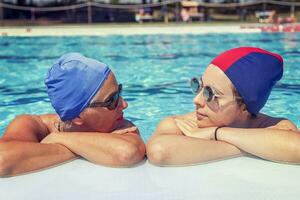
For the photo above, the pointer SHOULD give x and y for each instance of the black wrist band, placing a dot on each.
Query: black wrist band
(216, 132)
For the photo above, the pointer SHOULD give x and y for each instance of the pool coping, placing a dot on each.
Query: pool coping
(120, 29)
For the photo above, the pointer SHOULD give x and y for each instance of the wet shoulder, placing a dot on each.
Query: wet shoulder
(26, 127)
(266, 121)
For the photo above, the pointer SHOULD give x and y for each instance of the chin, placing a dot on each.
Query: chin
(111, 126)
(205, 123)
(106, 129)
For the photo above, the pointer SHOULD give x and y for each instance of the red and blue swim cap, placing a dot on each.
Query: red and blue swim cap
(253, 72)
(72, 82)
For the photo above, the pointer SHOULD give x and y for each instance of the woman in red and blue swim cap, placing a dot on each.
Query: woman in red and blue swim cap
(227, 122)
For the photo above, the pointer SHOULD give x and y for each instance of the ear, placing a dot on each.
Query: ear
(77, 121)
(243, 109)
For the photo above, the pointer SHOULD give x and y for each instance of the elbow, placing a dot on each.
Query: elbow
(130, 154)
(293, 156)
(290, 156)
(7, 160)
(5, 169)
(157, 151)
(292, 159)
(297, 161)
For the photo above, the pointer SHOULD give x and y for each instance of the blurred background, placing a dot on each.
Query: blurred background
(48, 12)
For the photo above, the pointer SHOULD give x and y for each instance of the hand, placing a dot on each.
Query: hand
(126, 130)
(190, 128)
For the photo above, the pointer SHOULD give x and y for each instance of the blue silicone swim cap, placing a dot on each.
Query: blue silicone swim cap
(72, 82)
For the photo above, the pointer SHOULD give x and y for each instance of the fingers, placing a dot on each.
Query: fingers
(191, 123)
(183, 126)
(120, 131)
(185, 123)
(125, 130)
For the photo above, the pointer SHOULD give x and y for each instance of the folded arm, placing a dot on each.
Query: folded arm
(168, 146)
(21, 152)
(177, 141)
(279, 142)
(18, 157)
(269, 143)
(110, 149)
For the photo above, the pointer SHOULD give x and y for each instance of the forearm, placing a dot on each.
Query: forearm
(271, 144)
(182, 150)
(18, 157)
(102, 148)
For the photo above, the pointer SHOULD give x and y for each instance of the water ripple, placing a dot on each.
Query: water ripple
(291, 53)
(288, 87)
(22, 101)
(20, 90)
(24, 58)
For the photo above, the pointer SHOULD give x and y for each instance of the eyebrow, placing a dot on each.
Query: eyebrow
(215, 89)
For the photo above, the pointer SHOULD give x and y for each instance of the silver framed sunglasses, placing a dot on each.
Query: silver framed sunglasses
(209, 94)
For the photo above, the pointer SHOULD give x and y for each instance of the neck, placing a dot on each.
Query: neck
(68, 126)
(245, 121)
(76, 128)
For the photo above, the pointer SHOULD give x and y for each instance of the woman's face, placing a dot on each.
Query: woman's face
(220, 110)
(105, 119)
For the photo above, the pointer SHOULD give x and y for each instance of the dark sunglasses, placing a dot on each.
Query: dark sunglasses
(111, 103)
(208, 92)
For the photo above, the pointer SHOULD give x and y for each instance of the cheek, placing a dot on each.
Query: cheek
(102, 121)
(107, 121)
(223, 117)
(222, 120)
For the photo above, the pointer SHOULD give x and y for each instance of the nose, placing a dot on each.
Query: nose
(199, 100)
(122, 103)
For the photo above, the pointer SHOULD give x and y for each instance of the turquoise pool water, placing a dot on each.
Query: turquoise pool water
(154, 70)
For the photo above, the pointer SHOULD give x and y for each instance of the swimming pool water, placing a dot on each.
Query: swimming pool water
(154, 70)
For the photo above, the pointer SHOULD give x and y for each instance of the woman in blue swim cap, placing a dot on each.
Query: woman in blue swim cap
(87, 99)
(226, 121)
